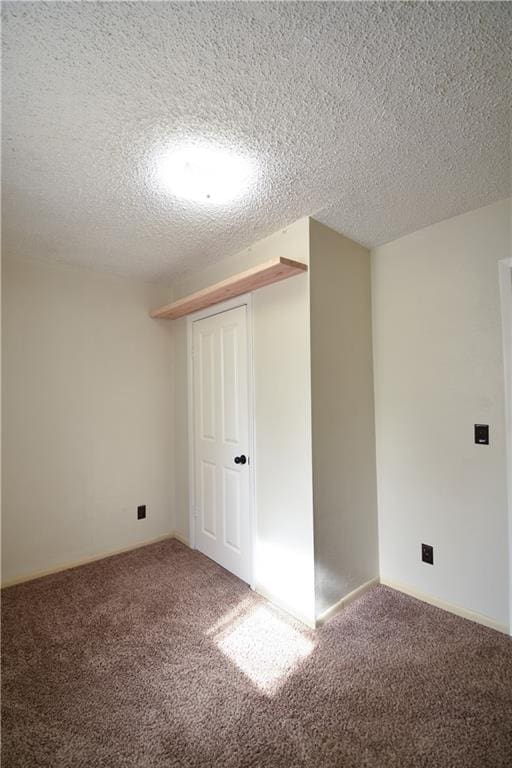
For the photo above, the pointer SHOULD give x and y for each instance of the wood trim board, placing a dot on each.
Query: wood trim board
(257, 277)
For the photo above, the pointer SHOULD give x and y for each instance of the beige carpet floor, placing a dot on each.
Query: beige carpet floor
(159, 657)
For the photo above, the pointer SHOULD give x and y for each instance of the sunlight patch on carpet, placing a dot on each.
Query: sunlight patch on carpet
(264, 647)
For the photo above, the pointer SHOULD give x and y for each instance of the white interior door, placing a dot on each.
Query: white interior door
(221, 440)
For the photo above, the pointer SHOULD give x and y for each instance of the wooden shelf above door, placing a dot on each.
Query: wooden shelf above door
(257, 277)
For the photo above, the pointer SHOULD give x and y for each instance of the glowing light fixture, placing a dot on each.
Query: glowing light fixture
(204, 173)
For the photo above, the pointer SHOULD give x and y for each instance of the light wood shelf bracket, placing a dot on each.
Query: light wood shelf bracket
(264, 274)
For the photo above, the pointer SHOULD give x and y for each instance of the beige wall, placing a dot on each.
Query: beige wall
(438, 371)
(87, 416)
(344, 474)
(284, 515)
(95, 415)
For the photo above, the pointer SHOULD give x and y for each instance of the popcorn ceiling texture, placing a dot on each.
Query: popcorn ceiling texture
(378, 119)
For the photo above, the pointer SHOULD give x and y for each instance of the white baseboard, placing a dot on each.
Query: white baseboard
(337, 607)
(478, 618)
(283, 606)
(84, 561)
(181, 539)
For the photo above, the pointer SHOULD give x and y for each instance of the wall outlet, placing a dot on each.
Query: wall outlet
(482, 434)
(427, 554)
(141, 512)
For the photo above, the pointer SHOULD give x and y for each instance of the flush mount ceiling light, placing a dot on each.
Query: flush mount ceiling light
(204, 174)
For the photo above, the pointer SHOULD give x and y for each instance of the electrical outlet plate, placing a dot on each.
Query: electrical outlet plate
(141, 512)
(427, 554)
(482, 434)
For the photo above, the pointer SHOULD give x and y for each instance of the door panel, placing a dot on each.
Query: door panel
(221, 433)
(230, 405)
(231, 510)
(208, 496)
(207, 372)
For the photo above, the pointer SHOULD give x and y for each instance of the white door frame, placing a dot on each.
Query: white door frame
(217, 309)
(505, 272)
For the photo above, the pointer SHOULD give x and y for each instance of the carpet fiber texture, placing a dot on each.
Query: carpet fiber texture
(159, 657)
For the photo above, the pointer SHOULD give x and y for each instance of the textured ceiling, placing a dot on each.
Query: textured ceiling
(378, 119)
